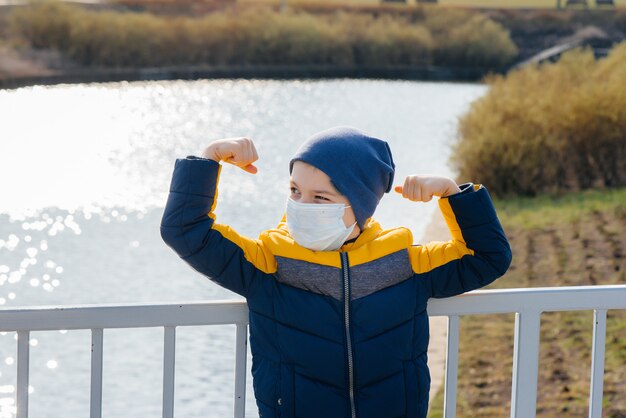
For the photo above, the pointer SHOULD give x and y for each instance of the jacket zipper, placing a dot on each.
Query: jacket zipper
(346, 298)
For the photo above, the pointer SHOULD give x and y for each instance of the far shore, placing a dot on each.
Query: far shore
(22, 65)
(41, 75)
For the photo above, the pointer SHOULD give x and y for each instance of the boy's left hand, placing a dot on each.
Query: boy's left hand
(422, 188)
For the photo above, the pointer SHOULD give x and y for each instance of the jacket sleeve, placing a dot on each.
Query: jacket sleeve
(188, 226)
(478, 252)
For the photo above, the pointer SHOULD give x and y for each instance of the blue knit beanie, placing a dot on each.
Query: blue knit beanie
(359, 165)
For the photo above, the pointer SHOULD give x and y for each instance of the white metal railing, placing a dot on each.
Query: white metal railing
(100, 317)
(527, 304)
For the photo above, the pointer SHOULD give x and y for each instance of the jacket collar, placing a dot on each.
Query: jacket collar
(370, 232)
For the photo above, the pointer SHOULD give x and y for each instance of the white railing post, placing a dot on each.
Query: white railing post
(169, 365)
(597, 363)
(452, 366)
(23, 338)
(525, 365)
(241, 352)
(96, 373)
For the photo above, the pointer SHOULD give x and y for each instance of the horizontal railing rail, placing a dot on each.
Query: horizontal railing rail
(527, 304)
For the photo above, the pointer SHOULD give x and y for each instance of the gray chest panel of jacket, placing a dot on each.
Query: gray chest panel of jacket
(365, 278)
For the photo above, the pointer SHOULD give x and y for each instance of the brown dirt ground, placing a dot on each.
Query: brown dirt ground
(587, 251)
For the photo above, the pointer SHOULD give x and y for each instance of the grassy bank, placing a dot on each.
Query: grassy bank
(259, 35)
(518, 4)
(576, 239)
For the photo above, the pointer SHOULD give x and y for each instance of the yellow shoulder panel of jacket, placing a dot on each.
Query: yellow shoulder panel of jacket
(254, 250)
(427, 257)
(217, 181)
(386, 242)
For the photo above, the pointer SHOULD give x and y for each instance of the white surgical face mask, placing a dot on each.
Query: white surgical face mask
(317, 226)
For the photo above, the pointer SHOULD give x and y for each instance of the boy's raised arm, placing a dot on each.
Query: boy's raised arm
(478, 252)
(188, 224)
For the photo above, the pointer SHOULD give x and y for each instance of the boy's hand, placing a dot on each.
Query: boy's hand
(422, 188)
(238, 151)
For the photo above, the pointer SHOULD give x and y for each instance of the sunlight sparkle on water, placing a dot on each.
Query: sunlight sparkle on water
(82, 159)
(7, 410)
(16, 276)
(12, 242)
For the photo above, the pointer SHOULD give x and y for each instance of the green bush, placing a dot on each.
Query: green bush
(549, 128)
(45, 24)
(463, 38)
(267, 37)
(105, 39)
(384, 40)
(257, 35)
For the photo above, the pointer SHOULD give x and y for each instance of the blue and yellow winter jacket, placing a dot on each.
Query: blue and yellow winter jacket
(341, 333)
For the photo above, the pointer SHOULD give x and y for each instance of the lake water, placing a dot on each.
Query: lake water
(84, 175)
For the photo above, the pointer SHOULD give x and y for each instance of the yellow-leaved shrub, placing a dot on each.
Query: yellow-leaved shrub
(549, 128)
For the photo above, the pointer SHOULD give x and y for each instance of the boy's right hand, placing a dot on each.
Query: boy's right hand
(239, 151)
(422, 188)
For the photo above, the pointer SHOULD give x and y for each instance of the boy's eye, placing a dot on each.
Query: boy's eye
(293, 190)
(321, 197)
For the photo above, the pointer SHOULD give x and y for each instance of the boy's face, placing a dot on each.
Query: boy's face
(309, 184)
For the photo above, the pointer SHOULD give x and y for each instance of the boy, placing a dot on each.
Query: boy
(338, 322)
